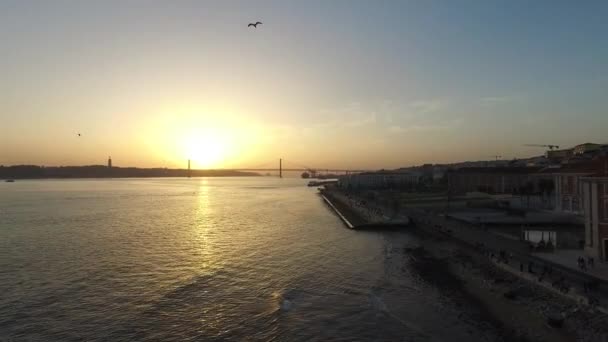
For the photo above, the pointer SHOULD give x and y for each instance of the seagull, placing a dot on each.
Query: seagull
(254, 25)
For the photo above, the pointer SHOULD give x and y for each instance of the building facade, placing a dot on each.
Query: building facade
(595, 203)
(493, 180)
(568, 192)
(379, 180)
(568, 187)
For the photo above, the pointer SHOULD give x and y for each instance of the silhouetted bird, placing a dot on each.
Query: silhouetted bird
(254, 25)
(78, 134)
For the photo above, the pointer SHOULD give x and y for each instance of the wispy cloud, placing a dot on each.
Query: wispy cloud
(494, 100)
(404, 117)
(424, 127)
(361, 121)
(426, 106)
(350, 115)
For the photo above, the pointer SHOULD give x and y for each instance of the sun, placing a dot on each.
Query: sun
(205, 149)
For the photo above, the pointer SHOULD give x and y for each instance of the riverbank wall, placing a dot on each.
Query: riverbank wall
(525, 302)
(349, 215)
(357, 215)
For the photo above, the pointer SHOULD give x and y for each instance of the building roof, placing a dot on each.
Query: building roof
(597, 166)
(499, 169)
(386, 173)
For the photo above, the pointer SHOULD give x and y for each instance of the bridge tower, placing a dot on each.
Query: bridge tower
(188, 168)
(280, 167)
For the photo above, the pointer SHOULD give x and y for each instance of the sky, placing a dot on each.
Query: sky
(327, 84)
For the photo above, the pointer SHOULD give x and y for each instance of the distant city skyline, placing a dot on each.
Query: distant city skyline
(342, 84)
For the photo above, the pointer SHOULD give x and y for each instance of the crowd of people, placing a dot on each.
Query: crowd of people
(582, 264)
(542, 246)
(541, 271)
(544, 271)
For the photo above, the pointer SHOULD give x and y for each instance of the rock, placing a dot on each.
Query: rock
(498, 280)
(511, 294)
(555, 319)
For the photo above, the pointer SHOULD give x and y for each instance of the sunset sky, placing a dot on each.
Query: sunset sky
(359, 84)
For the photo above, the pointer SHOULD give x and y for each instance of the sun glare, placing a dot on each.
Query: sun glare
(205, 149)
(209, 141)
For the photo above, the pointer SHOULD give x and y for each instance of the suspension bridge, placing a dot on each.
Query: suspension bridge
(283, 165)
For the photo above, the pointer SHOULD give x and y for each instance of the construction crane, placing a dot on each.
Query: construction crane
(551, 147)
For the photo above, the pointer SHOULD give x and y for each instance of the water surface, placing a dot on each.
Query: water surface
(207, 259)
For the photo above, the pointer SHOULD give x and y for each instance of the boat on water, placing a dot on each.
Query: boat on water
(10, 181)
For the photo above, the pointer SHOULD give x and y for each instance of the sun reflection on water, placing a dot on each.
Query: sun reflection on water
(204, 233)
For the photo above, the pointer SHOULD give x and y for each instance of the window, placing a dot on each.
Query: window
(566, 203)
(576, 203)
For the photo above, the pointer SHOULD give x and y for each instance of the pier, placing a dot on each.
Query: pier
(360, 217)
(344, 219)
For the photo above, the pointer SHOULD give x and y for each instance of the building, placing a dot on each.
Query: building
(568, 192)
(557, 156)
(586, 148)
(594, 194)
(109, 162)
(567, 180)
(492, 180)
(379, 180)
(586, 151)
(595, 203)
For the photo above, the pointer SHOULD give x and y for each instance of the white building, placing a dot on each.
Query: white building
(379, 180)
(595, 204)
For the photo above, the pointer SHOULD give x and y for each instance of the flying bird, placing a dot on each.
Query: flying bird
(255, 25)
(78, 134)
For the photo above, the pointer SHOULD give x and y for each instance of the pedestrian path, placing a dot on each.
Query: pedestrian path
(574, 293)
(519, 254)
(568, 258)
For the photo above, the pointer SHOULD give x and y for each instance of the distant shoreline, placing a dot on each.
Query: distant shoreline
(101, 172)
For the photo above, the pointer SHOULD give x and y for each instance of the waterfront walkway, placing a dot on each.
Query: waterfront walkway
(557, 271)
(520, 261)
(568, 258)
(358, 213)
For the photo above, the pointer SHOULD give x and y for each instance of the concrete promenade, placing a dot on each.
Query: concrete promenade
(573, 282)
(360, 214)
(521, 260)
(568, 258)
(342, 217)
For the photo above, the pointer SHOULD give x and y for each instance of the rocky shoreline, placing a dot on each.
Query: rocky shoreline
(520, 309)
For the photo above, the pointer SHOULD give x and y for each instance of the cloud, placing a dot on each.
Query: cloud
(362, 121)
(396, 129)
(424, 127)
(427, 106)
(494, 100)
(350, 115)
(385, 113)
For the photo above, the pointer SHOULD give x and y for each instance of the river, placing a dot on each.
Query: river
(208, 259)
